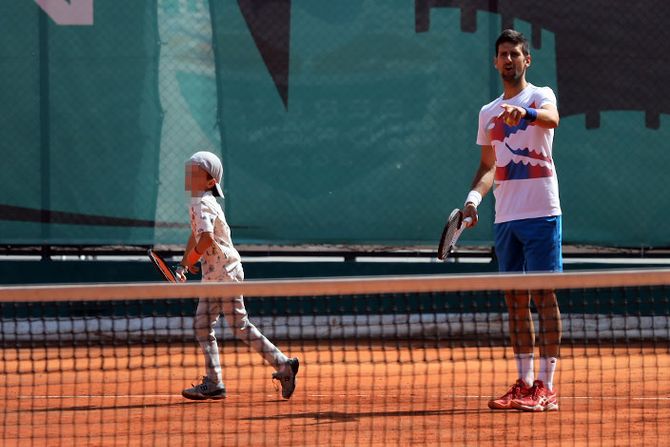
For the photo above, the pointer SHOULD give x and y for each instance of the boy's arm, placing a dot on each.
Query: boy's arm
(182, 268)
(189, 246)
(206, 240)
(195, 250)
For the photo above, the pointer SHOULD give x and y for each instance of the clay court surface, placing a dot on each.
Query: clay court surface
(349, 393)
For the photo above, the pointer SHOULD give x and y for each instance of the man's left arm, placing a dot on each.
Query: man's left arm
(545, 117)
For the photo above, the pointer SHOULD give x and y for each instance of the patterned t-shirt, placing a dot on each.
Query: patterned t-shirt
(207, 217)
(526, 184)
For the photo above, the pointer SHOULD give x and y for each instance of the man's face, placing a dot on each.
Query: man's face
(510, 62)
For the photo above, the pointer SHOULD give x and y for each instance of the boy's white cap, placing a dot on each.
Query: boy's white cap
(210, 163)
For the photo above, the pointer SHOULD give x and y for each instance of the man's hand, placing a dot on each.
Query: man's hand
(470, 211)
(512, 115)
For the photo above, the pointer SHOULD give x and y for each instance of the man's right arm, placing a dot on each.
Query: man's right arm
(481, 184)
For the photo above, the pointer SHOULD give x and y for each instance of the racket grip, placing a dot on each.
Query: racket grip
(466, 222)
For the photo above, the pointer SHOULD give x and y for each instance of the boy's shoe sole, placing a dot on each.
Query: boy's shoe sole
(287, 381)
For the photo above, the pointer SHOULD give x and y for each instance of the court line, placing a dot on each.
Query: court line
(392, 396)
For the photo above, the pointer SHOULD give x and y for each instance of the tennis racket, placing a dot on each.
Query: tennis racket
(452, 231)
(161, 266)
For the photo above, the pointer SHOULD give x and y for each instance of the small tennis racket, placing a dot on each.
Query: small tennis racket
(452, 231)
(161, 266)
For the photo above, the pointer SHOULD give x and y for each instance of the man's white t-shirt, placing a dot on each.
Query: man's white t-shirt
(526, 184)
(207, 217)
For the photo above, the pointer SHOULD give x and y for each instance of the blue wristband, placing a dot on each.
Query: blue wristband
(531, 114)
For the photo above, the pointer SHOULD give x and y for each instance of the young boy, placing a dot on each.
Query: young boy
(210, 243)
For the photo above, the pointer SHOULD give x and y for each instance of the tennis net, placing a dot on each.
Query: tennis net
(411, 360)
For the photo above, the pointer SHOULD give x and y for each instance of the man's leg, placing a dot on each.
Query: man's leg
(542, 249)
(509, 253)
(551, 331)
(542, 239)
(522, 333)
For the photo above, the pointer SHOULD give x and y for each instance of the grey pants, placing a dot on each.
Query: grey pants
(207, 316)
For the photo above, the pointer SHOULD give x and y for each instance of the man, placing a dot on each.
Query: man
(516, 133)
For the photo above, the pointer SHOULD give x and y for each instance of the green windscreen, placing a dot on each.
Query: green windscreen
(337, 122)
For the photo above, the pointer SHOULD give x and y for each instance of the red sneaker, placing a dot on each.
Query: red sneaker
(540, 398)
(517, 391)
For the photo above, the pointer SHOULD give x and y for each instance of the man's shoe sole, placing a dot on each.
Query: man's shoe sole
(203, 396)
(496, 406)
(537, 408)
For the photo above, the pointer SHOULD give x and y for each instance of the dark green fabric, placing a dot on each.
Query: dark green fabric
(368, 138)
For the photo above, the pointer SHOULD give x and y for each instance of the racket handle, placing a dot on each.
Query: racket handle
(466, 222)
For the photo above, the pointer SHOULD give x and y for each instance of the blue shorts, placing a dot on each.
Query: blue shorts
(529, 245)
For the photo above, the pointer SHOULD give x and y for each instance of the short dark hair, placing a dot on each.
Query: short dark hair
(514, 37)
(213, 188)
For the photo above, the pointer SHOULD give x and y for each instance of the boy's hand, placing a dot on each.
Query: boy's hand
(180, 273)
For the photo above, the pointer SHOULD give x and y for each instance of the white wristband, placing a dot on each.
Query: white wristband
(473, 197)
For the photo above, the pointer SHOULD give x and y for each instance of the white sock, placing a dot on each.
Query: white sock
(547, 369)
(524, 364)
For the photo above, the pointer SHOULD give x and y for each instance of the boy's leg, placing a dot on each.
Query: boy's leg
(206, 317)
(236, 315)
(237, 318)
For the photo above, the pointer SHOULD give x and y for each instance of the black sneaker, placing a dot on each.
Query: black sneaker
(206, 390)
(286, 377)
